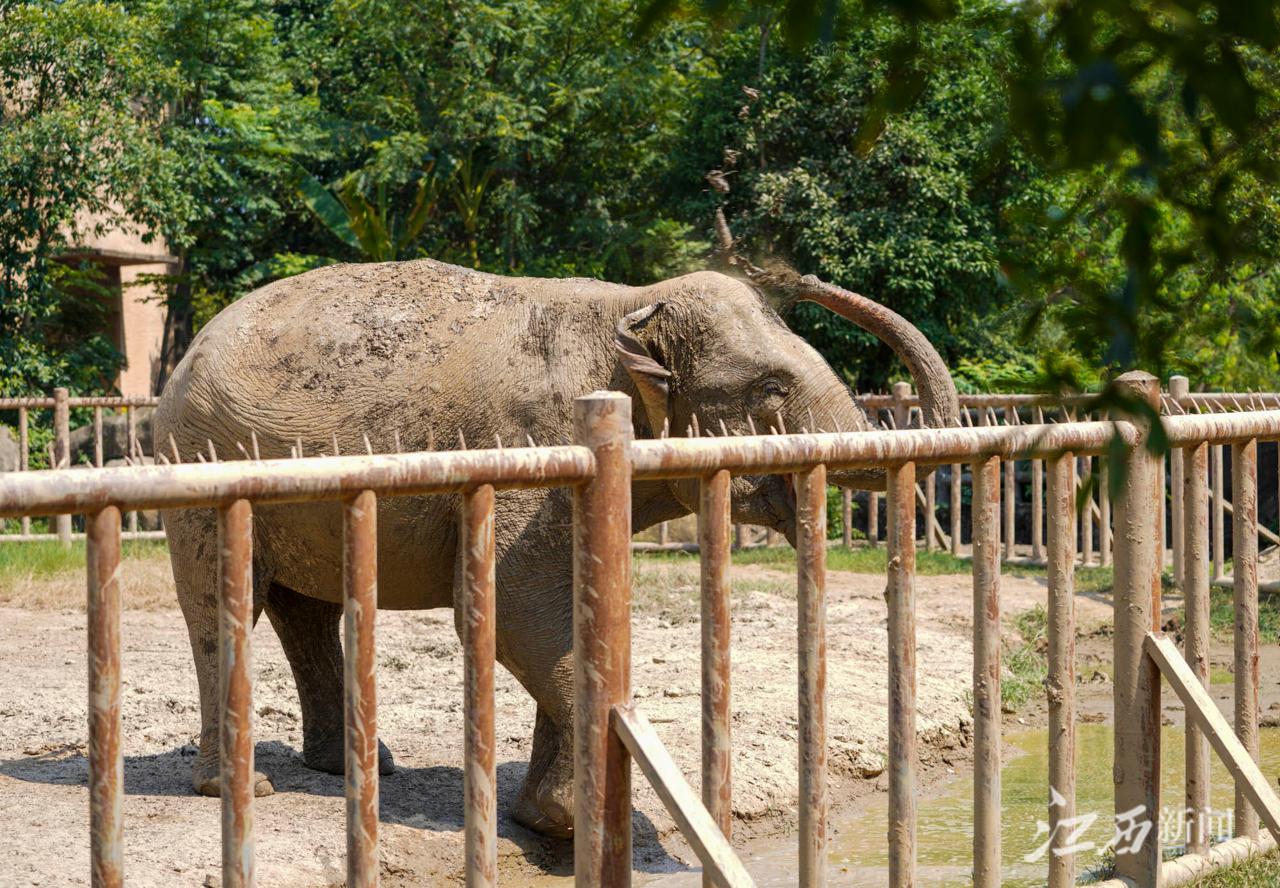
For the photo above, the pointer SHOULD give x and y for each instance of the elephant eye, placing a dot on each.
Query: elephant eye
(772, 388)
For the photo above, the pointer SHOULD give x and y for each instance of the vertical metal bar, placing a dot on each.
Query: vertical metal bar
(235, 622)
(1137, 684)
(1010, 499)
(930, 509)
(1195, 587)
(479, 642)
(1061, 682)
(873, 518)
(664, 534)
(24, 444)
(1086, 514)
(131, 423)
(956, 507)
(602, 643)
(811, 592)
(1162, 504)
(1179, 386)
(1076, 548)
(1244, 572)
(106, 762)
(901, 392)
(739, 537)
(1037, 500)
(846, 517)
(360, 686)
(1105, 540)
(900, 596)
(986, 673)
(62, 453)
(901, 413)
(97, 437)
(1219, 515)
(713, 547)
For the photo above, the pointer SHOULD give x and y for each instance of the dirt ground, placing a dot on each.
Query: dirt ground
(172, 836)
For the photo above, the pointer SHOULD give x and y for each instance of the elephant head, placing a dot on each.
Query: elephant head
(711, 354)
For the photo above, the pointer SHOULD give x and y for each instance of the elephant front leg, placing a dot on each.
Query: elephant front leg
(535, 644)
(545, 803)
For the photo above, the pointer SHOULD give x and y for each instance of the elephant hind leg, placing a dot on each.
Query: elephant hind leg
(309, 633)
(193, 552)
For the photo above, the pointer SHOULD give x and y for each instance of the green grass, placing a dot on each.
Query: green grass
(1025, 666)
(1259, 871)
(1222, 614)
(43, 559)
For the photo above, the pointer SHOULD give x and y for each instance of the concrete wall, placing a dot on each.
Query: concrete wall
(141, 308)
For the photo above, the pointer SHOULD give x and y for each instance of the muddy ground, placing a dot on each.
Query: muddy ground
(172, 836)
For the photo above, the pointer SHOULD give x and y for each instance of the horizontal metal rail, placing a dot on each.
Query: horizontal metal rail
(193, 485)
(41, 403)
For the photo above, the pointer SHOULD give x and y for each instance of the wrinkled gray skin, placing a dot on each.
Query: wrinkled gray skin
(430, 349)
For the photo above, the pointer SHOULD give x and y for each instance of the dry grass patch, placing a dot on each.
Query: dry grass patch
(46, 576)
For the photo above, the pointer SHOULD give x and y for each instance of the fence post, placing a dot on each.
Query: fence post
(24, 445)
(955, 513)
(62, 452)
(360, 686)
(811, 621)
(602, 643)
(1195, 590)
(900, 597)
(713, 547)
(479, 624)
(1037, 498)
(1105, 537)
(1137, 683)
(106, 763)
(985, 510)
(846, 517)
(1010, 499)
(1244, 574)
(235, 680)
(873, 518)
(901, 410)
(1219, 514)
(930, 509)
(1086, 514)
(1060, 682)
(134, 452)
(1179, 387)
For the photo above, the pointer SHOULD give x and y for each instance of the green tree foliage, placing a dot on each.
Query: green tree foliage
(915, 220)
(237, 127)
(1155, 125)
(534, 131)
(80, 152)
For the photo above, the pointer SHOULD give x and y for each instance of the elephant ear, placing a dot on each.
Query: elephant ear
(649, 376)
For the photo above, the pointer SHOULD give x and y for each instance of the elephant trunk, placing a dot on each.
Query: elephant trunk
(939, 402)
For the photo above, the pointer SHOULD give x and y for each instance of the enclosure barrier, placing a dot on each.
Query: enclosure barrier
(233, 488)
(1141, 654)
(61, 405)
(900, 409)
(610, 729)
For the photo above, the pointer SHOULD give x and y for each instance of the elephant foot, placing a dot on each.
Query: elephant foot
(206, 781)
(329, 756)
(549, 816)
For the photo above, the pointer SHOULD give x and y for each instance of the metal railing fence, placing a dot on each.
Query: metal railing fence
(611, 731)
(1141, 654)
(59, 454)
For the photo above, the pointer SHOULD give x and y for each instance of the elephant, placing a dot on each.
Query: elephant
(430, 355)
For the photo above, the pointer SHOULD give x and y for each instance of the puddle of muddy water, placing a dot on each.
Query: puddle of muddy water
(859, 854)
